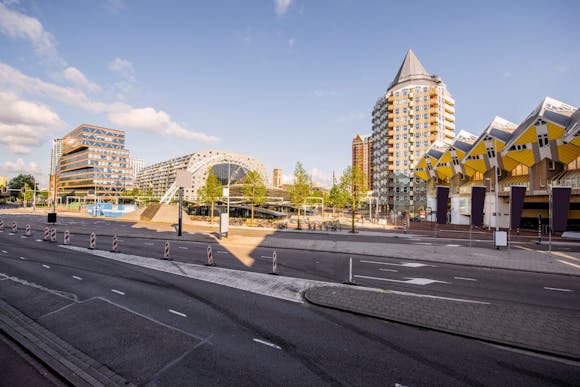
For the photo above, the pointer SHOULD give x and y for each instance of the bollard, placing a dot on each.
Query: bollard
(1, 224)
(166, 250)
(539, 242)
(27, 231)
(518, 231)
(115, 240)
(210, 261)
(46, 235)
(274, 263)
(350, 281)
(53, 235)
(66, 237)
(14, 228)
(92, 241)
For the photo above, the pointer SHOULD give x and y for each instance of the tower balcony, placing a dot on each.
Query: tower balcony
(449, 109)
(449, 117)
(449, 125)
(449, 100)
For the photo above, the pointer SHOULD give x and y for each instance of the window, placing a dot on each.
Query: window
(397, 94)
(425, 125)
(543, 139)
(417, 135)
(551, 165)
(425, 98)
(425, 89)
(397, 136)
(417, 108)
(405, 127)
(417, 116)
(405, 136)
(417, 126)
(425, 116)
(404, 110)
(397, 111)
(425, 107)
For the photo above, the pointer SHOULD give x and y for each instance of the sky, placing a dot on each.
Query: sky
(279, 80)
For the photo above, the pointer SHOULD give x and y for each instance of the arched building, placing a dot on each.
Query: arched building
(159, 178)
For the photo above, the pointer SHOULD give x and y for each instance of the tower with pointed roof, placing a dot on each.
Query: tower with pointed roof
(414, 112)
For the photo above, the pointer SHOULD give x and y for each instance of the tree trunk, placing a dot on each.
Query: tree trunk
(252, 218)
(211, 213)
(352, 218)
(298, 228)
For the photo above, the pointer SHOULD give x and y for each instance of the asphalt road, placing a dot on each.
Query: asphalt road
(153, 327)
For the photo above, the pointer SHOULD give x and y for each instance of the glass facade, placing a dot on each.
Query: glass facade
(94, 159)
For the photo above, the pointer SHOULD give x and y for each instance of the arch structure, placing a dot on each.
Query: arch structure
(237, 165)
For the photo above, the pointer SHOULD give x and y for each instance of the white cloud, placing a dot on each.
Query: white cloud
(123, 67)
(13, 168)
(321, 178)
(19, 26)
(291, 42)
(150, 120)
(282, 6)
(24, 124)
(287, 179)
(78, 79)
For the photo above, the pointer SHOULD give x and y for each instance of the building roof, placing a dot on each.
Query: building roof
(461, 144)
(572, 135)
(412, 69)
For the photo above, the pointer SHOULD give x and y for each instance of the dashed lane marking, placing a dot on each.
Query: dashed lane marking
(424, 243)
(557, 289)
(569, 263)
(77, 277)
(24, 259)
(39, 240)
(222, 252)
(411, 281)
(46, 266)
(148, 244)
(452, 245)
(118, 292)
(5, 252)
(183, 248)
(267, 343)
(177, 313)
(465, 279)
(394, 271)
(404, 264)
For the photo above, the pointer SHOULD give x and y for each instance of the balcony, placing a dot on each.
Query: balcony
(390, 107)
(391, 141)
(433, 119)
(449, 100)
(432, 92)
(410, 95)
(449, 117)
(391, 124)
(391, 158)
(449, 125)
(391, 133)
(433, 111)
(391, 115)
(449, 109)
(391, 98)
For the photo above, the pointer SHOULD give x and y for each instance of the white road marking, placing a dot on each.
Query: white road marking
(23, 237)
(46, 266)
(149, 244)
(39, 240)
(439, 297)
(395, 271)
(558, 289)
(183, 248)
(222, 252)
(424, 243)
(24, 259)
(465, 279)
(266, 257)
(404, 264)
(411, 281)
(569, 264)
(118, 292)
(177, 313)
(267, 343)
(77, 278)
(5, 252)
(452, 245)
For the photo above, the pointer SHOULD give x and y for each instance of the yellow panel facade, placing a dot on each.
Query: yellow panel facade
(568, 152)
(525, 157)
(529, 136)
(476, 165)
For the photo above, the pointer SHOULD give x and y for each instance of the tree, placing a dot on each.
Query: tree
(20, 181)
(254, 191)
(354, 183)
(337, 198)
(300, 190)
(210, 192)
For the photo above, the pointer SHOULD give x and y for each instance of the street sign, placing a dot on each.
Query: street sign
(225, 192)
(183, 179)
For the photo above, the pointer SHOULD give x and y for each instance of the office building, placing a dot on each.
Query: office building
(277, 178)
(415, 111)
(93, 161)
(362, 150)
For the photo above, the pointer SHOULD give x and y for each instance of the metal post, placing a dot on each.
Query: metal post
(350, 270)
(470, 227)
(550, 222)
(180, 222)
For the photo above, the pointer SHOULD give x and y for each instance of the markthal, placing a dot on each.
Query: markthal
(539, 159)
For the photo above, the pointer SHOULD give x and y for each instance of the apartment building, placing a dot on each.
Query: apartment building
(362, 153)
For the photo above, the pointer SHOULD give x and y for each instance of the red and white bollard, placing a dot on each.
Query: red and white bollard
(14, 228)
(92, 241)
(115, 240)
(53, 235)
(46, 235)
(210, 261)
(66, 237)
(27, 231)
(1, 224)
(274, 263)
(166, 250)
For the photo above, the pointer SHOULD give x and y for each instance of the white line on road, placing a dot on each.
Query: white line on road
(118, 292)
(39, 240)
(267, 343)
(411, 281)
(465, 279)
(569, 264)
(149, 244)
(405, 264)
(177, 313)
(424, 243)
(452, 245)
(24, 259)
(77, 278)
(558, 289)
(46, 266)
(5, 252)
(394, 271)
(265, 257)
(222, 252)
(183, 248)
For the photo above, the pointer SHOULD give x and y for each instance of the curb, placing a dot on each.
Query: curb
(69, 363)
(512, 344)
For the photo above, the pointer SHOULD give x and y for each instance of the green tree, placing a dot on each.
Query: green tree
(337, 198)
(20, 181)
(135, 192)
(210, 192)
(300, 190)
(254, 191)
(354, 184)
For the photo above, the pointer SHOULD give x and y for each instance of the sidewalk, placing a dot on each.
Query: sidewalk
(553, 332)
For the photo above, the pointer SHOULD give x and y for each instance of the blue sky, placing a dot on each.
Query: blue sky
(283, 81)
